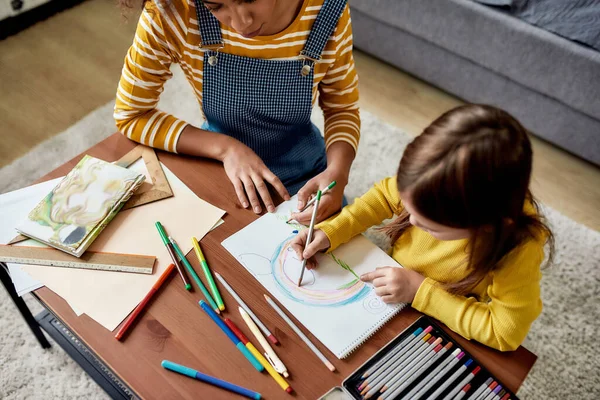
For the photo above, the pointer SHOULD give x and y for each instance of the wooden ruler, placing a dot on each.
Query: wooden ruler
(89, 260)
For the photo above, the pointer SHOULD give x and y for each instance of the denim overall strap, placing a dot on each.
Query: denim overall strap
(210, 31)
(323, 27)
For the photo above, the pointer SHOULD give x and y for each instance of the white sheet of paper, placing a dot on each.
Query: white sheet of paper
(14, 207)
(340, 310)
(108, 297)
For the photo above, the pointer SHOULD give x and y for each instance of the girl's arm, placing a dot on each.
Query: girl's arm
(375, 206)
(338, 91)
(503, 322)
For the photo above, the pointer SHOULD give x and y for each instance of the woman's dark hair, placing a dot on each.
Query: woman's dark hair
(470, 169)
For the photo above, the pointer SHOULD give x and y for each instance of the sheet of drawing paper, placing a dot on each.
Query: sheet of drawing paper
(339, 309)
(14, 207)
(108, 297)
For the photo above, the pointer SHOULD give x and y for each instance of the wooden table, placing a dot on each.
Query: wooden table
(174, 327)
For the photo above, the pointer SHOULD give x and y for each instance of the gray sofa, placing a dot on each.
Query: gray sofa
(551, 84)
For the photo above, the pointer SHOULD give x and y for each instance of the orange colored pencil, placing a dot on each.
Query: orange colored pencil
(145, 301)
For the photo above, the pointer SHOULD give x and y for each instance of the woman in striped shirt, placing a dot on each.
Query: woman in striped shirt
(256, 67)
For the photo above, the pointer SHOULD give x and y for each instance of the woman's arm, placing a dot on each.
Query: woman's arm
(246, 171)
(145, 71)
(338, 98)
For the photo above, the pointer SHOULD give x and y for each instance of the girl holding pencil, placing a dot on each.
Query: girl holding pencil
(256, 67)
(466, 230)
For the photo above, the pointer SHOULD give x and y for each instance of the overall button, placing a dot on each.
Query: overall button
(305, 70)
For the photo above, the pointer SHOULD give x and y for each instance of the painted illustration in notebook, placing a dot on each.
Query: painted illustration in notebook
(332, 302)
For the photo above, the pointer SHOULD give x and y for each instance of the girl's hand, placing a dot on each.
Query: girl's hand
(330, 203)
(248, 174)
(394, 284)
(319, 242)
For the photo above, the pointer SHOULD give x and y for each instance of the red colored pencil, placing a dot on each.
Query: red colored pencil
(145, 301)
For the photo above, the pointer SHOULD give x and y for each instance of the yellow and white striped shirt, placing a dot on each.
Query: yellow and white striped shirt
(169, 34)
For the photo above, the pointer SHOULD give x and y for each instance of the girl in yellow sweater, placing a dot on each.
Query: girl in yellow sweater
(467, 230)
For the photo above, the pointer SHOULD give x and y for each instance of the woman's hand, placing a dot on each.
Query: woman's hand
(394, 284)
(319, 242)
(330, 203)
(248, 174)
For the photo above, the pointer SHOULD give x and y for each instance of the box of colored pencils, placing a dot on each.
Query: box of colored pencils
(423, 362)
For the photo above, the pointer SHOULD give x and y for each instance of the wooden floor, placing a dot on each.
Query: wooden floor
(56, 72)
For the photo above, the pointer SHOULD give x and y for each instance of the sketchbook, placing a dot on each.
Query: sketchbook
(333, 304)
(74, 213)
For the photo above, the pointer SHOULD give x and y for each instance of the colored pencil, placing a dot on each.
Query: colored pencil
(381, 378)
(180, 369)
(400, 375)
(311, 229)
(463, 392)
(480, 389)
(270, 354)
(494, 393)
(211, 282)
(194, 275)
(427, 382)
(280, 381)
(169, 246)
(424, 381)
(435, 379)
(416, 335)
(488, 390)
(311, 201)
(449, 381)
(462, 383)
(400, 360)
(134, 314)
(231, 336)
(237, 298)
(300, 334)
(406, 379)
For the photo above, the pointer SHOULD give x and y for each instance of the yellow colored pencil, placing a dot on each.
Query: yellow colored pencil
(261, 359)
(211, 283)
(269, 352)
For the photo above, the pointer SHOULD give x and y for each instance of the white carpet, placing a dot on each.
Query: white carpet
(564, 337)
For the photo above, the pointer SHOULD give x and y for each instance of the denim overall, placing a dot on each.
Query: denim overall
(267, 104)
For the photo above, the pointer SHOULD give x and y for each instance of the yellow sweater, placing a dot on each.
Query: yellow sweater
(170, 34)
(505, 303)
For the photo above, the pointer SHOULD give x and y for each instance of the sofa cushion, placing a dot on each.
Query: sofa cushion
(539, 60)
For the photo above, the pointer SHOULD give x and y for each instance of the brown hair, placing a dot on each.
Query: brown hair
(470, 169)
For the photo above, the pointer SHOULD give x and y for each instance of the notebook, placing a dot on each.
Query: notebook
(333, 304)
(74, 213)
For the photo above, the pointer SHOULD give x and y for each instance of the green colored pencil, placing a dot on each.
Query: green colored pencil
(211, 283)
(194, 275)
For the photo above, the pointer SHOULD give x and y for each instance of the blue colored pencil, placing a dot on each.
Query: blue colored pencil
(180, 369)
(238, 343)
